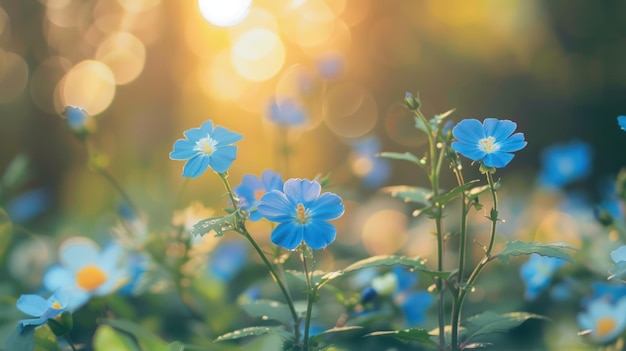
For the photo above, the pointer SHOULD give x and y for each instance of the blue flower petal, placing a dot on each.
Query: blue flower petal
(499, 129)
(21, 324)
(77, 252)
(206, 129)
(196, 166)
(183, 150)
(57, 277)
(497, 159)
(302, 190)
(621, 121)
(222, 158)
(327, 207)
(195, 134)
(288, 235)
(225, 136)
(414, 306)
(470, 151)
(513, 143)
(276, 207)
(318, 234)
(272, 180)
(33, 305)
(469, 131)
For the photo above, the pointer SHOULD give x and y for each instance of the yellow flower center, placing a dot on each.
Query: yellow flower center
(605, 325)
(56, 305)
(259, 194)
(205, 145)
(301, 213)
(90, 278)
(488, 144)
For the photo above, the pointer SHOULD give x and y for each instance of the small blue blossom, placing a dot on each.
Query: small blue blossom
(228, 259)
(621, 121)
(206, 147)
(331, 66)
(252, 189)
(604, 291)
(619, 258)
(43, 309)
(491, 142)
(372, 170)
(86, 271)
(287, 112)
(564, 164)
(604, 320)
(303, 213)
(537, 273)
(29, 204)
(78, 119)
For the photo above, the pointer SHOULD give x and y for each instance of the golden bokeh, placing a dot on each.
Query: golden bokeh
(89, 84)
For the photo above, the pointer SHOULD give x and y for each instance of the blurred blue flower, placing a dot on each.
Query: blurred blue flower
(286, 112)
(228, 259)
(604, 320)
(537, 273)
(604, 291)
(206, 147)
(78, 119)
(373, 170)
(43, 309)
(302, 213)
(86, 271)
(621, 121)
(252, 189)
(137, 266)
(331, 65)
(619, 258)
(399, 284)
(491, 142)
(29, 204)
(563, 164)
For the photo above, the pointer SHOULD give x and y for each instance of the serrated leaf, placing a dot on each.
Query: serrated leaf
(268, 309)
(410, 193)
(219, 225)
(255, 331)
(414, 334)
(490, 322)
(147, 340)
(516, 248)
(391, 260)
(315, 338)
(107, 338)
(406, 156)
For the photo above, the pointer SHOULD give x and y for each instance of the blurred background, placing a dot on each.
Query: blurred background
(150, 69)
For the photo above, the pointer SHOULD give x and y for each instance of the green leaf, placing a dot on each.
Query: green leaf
(176, 346)
(490, 322)
(23, 341)
(219, 225)
(147, 340)
(516, 248)
(456, 192)
(255, 331)
(107, 338)
(268, 309)
(17, 173)
(415, 334)
(316, 338)
(406, 156)
(410, 193)
(6, 231)
(45, 340)
(391, 260)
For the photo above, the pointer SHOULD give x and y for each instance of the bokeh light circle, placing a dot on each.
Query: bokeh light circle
(349, 110)
(124, 54)
(217, 78)
(310, 24)
(384, 232)
(258, 54)
(89, 84)
(13, 76)
(400, 126)
(44, 80)
(224, 13)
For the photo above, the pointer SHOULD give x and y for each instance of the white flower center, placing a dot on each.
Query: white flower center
(205, 145)
(488, 145)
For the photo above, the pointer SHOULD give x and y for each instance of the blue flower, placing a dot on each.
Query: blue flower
(604, 320)
(331, 66)
(399, 284)
(537, 273)
(565, 163)
(228, 259)
(28, 205)
(302, 213)
(621, 121)
(252, 189)
(372, 170)
(86, 271)
(41, 308)
(491, 142)
(286, 112)
(603, 291)
(206, 147)
(78, 119)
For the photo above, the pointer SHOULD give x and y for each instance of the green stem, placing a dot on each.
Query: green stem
(311, 292)
(481, 265)
(241, 228)
(458, 302)
(69, 341)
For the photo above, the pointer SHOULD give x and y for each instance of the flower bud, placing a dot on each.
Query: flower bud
(412, 102)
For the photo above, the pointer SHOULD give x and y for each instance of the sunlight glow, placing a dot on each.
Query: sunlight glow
(258, 54)
(224, 13)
